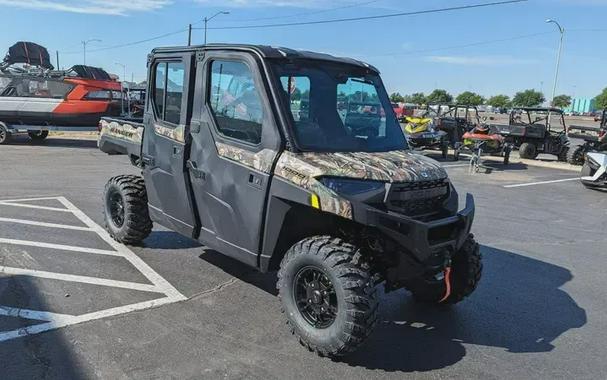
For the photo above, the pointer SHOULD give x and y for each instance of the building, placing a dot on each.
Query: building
(581, 106)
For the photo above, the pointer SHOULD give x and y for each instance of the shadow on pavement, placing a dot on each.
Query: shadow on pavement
(518, 306)
(54, 142)
(169, 240)
(43, 356)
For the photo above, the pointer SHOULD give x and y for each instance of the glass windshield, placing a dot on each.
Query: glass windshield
(339, 108)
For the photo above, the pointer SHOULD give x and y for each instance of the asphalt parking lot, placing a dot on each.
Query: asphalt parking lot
(75, 304)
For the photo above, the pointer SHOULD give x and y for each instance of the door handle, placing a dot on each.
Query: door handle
(197, 173)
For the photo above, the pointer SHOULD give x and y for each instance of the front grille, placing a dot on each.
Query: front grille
(418, 198)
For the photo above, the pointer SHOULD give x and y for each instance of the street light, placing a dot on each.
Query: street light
(122, 87)
(558, 60)
(207, 19)
(84, 43)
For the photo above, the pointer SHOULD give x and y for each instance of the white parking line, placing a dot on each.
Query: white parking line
(44, 224)
(33, 206)
(541, 183)
(53, 320)
(62, 247)
(81, 279)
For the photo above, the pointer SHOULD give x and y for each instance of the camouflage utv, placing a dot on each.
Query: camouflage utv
(292, 161)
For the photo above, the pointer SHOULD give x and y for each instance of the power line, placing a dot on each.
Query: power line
(355, 5)
(362, 18)
(472, 44)
(129, 43)
(391, 15)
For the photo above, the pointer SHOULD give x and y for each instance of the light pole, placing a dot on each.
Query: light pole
(84, 43)
(558, 62)
(122, 86)
(207, 19)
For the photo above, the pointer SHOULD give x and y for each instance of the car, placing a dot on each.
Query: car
(594, 171)
(332, 198)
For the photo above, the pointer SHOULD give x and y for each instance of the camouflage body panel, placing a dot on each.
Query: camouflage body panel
(121, 130)
(304, 169)
(177, 133)
(261, 161)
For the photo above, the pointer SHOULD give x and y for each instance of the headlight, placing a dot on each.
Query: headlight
(351, 186)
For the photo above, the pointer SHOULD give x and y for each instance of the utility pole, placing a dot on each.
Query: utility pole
(207, 19)
(189, 34)
(122, 86)
(57, 52)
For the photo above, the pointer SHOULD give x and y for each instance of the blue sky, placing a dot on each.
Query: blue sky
(487, 50)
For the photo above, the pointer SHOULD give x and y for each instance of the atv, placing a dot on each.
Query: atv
(422, 134)
(455, 120)
(537, 130)
(293, 162)
(594, 140)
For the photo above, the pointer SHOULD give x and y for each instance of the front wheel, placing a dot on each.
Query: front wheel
(5, 135)
(461, 280)
(327, 294)
(575, 155)
(125, 209)
(37, 135)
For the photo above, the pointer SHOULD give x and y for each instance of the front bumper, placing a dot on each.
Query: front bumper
(424, 247)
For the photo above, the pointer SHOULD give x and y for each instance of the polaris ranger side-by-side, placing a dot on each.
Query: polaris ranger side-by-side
(292, 161)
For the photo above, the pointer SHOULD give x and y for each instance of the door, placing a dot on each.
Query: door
(234, 146)
(164, 144)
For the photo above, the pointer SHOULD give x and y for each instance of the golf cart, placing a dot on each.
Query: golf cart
(537, 130)
(593, 140)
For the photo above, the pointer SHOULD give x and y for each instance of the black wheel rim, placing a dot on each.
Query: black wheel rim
(116, 204)
(315, 297)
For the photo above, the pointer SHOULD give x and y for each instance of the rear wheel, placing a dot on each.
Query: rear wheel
(327, 294)
(528, 151)
(38, 135)
(465, 274)
(575, 155)
(564, 153)
(125, 209)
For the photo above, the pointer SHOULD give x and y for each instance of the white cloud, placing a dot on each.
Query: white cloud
(480, 61)
(103, 7)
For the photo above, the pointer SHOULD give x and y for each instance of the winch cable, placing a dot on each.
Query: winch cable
(447, 285)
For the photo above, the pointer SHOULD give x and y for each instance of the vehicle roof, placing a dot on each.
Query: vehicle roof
(539, 109)
(269, 52)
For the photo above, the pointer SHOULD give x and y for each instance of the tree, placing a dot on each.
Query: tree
(601, 100)
(528, 98)
(439, 96)
(416, 98)
(499, 101)
(561, 101)
(397, 98)
(470, 98)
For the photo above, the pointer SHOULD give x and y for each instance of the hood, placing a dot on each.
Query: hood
(394, 166)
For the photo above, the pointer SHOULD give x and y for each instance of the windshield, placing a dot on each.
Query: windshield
(339, 108)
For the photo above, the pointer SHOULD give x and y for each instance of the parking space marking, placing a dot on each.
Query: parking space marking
(24, 205)
(80, 279)
(44, 224)
(541, 182)
(53, 321)
(62, 247)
